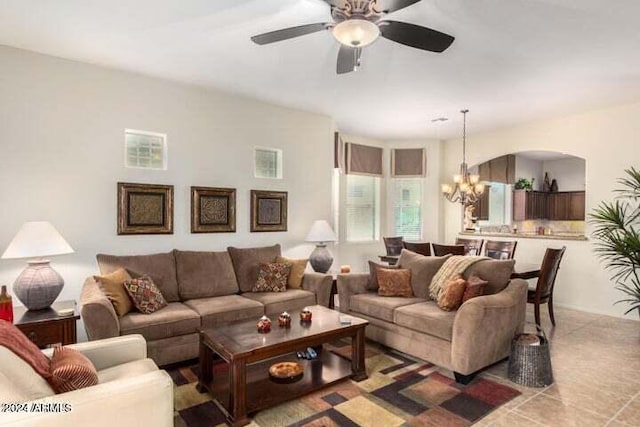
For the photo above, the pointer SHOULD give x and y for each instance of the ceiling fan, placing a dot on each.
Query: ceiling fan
(358, 23)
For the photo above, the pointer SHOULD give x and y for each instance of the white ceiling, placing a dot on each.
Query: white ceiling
(513, 60)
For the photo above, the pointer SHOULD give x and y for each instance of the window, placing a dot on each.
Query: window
(406, 199)
(146, 150)
(362, 208)
(268, 163)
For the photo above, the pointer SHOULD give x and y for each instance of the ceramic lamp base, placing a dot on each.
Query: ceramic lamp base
(321, 259)
(38, 285)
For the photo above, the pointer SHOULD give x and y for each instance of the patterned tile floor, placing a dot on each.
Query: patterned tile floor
(596, 367)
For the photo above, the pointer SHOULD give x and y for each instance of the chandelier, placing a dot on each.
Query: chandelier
(466, 188)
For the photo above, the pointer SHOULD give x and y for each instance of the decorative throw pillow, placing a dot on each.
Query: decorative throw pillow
(451, 297)
(272, 277)
(297, 270)
(71, 370)
(394, 282)
(475, 288)
(15, 340)
(145, 294)
(423, 268)
(372, 283)
(112, 285)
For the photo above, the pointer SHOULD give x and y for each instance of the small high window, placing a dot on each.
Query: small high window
(145, 150)
(268, 163)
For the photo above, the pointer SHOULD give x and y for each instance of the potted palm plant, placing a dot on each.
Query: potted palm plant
(617, 232)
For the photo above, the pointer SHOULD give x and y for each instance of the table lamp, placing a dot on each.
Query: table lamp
(321, 232)
(38, 285)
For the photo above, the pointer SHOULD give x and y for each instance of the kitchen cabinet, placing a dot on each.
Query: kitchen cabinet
(567, 206)
(530, 205)
(481, 211)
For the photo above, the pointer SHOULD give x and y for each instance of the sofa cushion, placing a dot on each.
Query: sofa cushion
(19, 382)
(475, 288)
(272, 277)
(205, 274)
(228, 308)
(427, 318)
(112, 285)
(374, 305)
(145, 294)
(175, 319)
(246, 263)
(372, 283)
(160, 267)
(127, 370)
(496, 272)
(423, 268)
(13, 339)
(297, 271)
(277, 302)
(394, 283)
(71, 370)
(451, 296)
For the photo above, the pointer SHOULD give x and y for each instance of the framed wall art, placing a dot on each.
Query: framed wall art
(268, 210)
(213, 210)
(145, 208)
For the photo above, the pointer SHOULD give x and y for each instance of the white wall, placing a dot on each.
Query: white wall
(609, 141)
(529, 168)
(62, 136)
(358, 254)
(568, 173)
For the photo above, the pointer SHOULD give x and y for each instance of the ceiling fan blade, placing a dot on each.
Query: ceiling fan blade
(288, 33)
(415, 36)
(348, 59)
(390, 6)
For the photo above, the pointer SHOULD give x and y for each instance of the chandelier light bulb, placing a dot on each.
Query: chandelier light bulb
(474, 179)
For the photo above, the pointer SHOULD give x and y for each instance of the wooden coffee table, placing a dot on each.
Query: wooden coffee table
(246, 388)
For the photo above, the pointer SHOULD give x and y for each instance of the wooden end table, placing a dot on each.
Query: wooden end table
(246, 388)
(47, 327)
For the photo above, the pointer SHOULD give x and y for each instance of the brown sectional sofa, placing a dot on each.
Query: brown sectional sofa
(203, 289)
(475, 336)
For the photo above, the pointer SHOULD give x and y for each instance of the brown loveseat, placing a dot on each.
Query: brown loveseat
(475, 336)
(203, 289)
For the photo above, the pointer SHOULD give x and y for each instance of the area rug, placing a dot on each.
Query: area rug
(400, 391)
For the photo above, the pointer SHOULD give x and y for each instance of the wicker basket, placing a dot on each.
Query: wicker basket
(530, 364)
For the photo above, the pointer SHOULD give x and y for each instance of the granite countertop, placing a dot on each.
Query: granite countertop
(524, 235)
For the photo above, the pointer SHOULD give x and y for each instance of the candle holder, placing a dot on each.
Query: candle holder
(264, 325)
(306, 315)
(284, 320)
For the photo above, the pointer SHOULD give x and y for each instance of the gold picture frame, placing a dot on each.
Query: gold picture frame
(145, 208)
(213, 210)
(268, 210)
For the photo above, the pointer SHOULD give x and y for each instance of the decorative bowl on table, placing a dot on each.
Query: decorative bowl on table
(305, 315)
(286, 372)
(284, 320)
(264, 325)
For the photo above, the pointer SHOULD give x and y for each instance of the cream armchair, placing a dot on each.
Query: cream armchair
(132, 391)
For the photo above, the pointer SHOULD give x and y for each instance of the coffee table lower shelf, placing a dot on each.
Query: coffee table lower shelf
(264, 393)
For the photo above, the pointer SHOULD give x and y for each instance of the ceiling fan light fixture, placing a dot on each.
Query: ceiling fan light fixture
(356, 32)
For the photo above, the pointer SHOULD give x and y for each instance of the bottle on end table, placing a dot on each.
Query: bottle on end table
(6, 305)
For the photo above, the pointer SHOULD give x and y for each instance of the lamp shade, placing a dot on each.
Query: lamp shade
(37, 239)
(321, 232)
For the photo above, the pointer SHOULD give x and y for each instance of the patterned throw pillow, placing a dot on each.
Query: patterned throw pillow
(475, 288)
(451, 297)
(145, 294)
(394, 282)
(297, 270)
(71, 370)
(272, 277)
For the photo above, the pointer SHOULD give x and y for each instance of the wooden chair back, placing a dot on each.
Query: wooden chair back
(500, 250)
(548, 273)
(393, 245)
(442, 250)
(471, 246)
(422, 248)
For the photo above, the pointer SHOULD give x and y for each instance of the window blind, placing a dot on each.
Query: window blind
(362, 208)
(406, 194)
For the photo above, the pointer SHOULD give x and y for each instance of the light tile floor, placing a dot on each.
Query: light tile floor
(596, 367)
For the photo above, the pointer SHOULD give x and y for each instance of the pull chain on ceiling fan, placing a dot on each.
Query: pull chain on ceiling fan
(358, 23)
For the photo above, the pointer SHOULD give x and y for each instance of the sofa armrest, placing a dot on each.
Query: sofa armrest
(484, 327)
(350, 284)
(111, 351)
(320, 284)
(98, 315)
(145, 399)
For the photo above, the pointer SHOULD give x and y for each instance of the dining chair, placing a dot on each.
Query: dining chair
(422, 248)
(471, 246)
(393, 245)
(442, 250)
(500, 249)
(543, 292)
